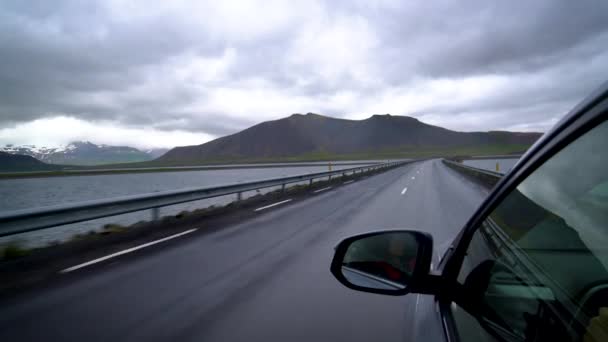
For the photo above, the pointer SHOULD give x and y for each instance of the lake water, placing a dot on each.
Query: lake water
(28, 193)
(504, 165)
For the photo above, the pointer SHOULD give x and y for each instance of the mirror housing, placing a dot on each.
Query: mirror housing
(390, 262)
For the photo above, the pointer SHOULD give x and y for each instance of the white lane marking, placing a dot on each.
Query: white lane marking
(416, 307)
(88, 263)
(413, 177)
(350, 181)
(274, 204)
(316, 191)
(403, 191)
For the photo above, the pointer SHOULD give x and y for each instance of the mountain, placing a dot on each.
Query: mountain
(83, 153)
(313, 136)
(13, 162)
(156, 152)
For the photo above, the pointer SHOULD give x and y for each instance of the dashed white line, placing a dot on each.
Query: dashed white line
(274, 204)
(316, 191)
(413, 177)
(348, 182)
(89, 263)
(403, 191)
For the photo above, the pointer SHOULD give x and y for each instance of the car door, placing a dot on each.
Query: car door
(532, 263)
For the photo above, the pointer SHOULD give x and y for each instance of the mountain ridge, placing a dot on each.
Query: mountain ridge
(16, 162)
(314, 134)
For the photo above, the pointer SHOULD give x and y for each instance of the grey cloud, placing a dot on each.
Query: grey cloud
(476, 37)
(537, 117)
(212, 123)
(62, 56)
(54, 57)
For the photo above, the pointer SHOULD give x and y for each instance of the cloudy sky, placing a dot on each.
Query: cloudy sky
(173, 73)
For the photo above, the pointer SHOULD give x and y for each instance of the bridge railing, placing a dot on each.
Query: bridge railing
(23, 221)
(486, 177)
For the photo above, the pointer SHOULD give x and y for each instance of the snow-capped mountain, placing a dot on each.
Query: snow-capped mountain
(82, 153)
(38, 152)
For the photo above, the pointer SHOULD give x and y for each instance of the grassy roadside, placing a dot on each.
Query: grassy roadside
(403, 152)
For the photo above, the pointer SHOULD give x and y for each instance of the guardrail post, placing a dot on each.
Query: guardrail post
(239, 196)
(283, 188)
(155, 214)
(310, 182)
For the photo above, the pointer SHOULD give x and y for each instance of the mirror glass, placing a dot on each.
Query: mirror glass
(384, 261)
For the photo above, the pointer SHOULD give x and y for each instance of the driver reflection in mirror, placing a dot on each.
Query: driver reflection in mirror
(389, 256)
(400, 263)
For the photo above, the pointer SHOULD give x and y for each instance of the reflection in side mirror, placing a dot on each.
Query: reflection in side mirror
(387, 262)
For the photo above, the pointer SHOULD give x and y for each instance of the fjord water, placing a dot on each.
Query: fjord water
(29, 193)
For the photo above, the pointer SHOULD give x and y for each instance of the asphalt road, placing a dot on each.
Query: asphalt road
(266, 279)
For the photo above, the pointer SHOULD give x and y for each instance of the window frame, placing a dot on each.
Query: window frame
(585, 116)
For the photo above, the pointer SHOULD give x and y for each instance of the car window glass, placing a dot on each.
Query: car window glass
(536, 268)
(468, 327)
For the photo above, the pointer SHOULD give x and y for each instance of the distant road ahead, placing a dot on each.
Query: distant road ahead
(266, 279)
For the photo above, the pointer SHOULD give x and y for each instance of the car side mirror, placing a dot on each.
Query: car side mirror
(389, 262)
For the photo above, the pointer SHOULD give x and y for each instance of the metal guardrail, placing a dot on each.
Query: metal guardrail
(23, 221)
(484, 171)
(485, 177)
